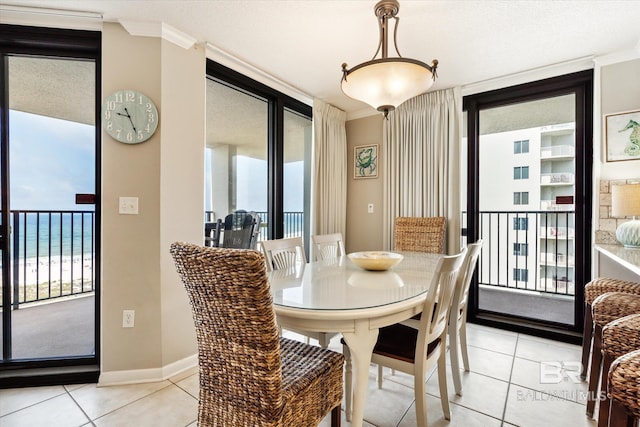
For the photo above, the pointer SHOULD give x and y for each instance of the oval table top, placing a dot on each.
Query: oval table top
(340, 285)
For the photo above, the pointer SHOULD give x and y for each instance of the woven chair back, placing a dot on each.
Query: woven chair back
(419, 234)
(238, 342)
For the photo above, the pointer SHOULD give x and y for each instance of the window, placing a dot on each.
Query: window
(520, 274)
(520, 223)
(521, 172)
(521, 146)
(521, 249)
(521, 198)
(264, 168)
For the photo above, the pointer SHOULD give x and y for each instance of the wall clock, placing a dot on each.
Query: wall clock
(129, 116)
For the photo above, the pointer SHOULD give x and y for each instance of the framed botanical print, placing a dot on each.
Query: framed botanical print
(622, 133)
(365, 161)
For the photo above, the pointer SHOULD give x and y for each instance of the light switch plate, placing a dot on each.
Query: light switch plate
(370, 208)
(128, 206)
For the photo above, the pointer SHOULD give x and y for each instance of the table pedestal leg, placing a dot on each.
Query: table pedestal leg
(361, 343)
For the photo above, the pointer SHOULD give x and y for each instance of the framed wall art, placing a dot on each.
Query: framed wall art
(365, 161)
(622, 134)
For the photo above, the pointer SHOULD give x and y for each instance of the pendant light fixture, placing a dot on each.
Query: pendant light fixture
(386, 82)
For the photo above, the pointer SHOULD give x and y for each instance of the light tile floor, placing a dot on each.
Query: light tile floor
(515, 379)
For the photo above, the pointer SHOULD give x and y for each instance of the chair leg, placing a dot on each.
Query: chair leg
(348, 382)
(381, 376)
(420, 396)
(619, 416)
(586, 339)
(455, 358)
(603, 413)
(442, 382)
(462, 331)
(322, 340)
(594, 376)
(335, 416)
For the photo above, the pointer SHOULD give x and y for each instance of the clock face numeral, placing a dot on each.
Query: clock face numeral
(129, 116)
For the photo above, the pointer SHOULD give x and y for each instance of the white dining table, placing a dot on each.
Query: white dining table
(338, 296)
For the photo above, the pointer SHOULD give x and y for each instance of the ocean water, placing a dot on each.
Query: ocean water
(62, 233)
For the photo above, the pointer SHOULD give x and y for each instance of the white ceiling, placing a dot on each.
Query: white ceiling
(304, 43)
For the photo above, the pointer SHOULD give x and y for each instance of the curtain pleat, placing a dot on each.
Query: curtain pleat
(329, 169)
(421, 141)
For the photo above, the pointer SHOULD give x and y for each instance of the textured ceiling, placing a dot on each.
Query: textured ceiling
(304, 43)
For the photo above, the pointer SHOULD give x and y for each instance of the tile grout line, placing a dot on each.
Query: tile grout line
(35, 403)
(78, 405)
(129, 403)
(513, 363)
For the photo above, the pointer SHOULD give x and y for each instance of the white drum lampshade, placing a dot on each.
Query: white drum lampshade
(625, 201)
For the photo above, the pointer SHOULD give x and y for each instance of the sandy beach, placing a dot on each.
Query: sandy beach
(55, 269)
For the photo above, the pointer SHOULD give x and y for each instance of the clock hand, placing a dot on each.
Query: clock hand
(129, 116)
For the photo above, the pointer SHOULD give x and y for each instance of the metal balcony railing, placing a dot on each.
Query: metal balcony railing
(52, 254)
(527, 250)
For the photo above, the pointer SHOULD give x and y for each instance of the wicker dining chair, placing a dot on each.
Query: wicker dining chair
(248, 375)
(327, 246)
(419, 234)
(606, 308)
(593, 290)
(619, 337)
(624, 389)
(418, 351)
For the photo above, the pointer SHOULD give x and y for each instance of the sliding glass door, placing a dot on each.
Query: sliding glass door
(50, 212)
(530, 201)
(258, 154)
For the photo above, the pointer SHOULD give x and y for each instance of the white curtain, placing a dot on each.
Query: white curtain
(329, 169)
(421, 143)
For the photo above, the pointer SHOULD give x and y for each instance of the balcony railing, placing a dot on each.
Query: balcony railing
(530, 250)
(52, 254)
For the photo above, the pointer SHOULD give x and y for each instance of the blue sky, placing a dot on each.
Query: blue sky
(252, 185)
(50, 161)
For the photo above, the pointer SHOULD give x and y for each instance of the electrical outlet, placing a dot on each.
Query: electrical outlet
(128, 318)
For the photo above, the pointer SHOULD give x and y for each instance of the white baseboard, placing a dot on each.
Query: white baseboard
(147, 375)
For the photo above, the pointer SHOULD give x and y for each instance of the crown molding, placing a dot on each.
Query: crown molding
(158, 29)
(526, 76)
(229, 60)
(360, 114)
(53, 18)
(620, 56)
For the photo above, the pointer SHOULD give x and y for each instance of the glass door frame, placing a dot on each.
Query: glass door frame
(64, 44)
(277, 102)
(579, 84)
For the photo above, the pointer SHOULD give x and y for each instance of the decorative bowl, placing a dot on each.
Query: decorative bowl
(377, 261)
